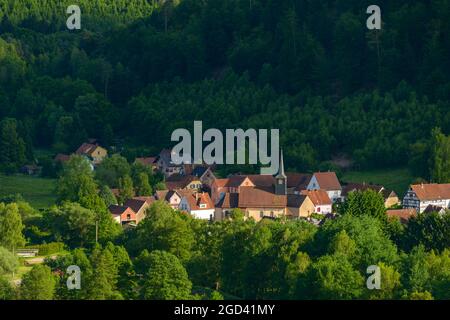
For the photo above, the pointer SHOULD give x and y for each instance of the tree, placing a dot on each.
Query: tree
(126, 190)
(102, 283)
(335, 278)
(8, 262)
(430, 230)
(112, 169)
(368, 202)
(166, 278)
(12, 146)
(72, 223)
(38, 284)
(143, 187)
(164, 229)
(440, 157)
(107, 195)
(7, 291)
(76, 180)
(11, 227)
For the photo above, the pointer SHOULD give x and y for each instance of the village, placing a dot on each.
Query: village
(196, 190)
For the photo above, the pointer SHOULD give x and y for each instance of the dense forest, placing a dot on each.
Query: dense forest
(139, 69)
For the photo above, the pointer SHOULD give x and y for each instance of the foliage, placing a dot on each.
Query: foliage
(38, 284)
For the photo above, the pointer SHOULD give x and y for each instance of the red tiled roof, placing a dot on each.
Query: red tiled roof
(149, 161)
(228, 201)
(86, 149)
(328, 181)
(250, 197)
(318, 197)
(195, 200)
(431, 191)
(403, 214)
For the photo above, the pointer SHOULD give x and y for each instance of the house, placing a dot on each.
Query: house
(403, 214)
(198, 205)
(297, 182)
(321, 200)
(182, 182)
(389, 196)
(233, 184)
(205, 175)
(172, 197)
(93, 152)
(139, 206)
(299, 206)
(151, 162)
(123, 214)
(327, 181)
(166, 165)
(420, 196)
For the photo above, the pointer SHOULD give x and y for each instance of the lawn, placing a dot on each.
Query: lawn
(395, 179)
(39, 192)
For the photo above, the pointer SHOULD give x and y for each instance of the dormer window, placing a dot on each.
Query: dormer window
(202, 206)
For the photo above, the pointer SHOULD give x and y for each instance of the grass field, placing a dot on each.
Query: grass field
(39, 192)
(395, 179)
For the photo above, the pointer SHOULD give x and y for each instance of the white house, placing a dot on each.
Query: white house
(199, 205)
(327, 181)
(420, 196)
(320, 199)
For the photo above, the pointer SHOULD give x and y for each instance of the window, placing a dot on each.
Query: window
(128, 216)
(280, 181)
(271, 214)
(261, 214)
(202, 205)
(318, 209)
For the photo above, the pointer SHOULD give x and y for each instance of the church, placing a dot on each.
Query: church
(262, 196)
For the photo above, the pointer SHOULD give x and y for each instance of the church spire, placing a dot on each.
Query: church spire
(281, 173)
(281, 178)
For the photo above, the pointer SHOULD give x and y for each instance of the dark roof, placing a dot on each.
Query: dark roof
(431, 209)
(135, 204)
(295, 200)
(199, 171)
(118, 210)
(178, 181)
(299, 181)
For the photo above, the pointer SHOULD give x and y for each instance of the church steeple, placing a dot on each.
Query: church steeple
(281, 178)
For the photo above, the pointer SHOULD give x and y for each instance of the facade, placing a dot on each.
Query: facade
(181, 182)
(172, 197)
(93, 152)
(166, 165)
(328, 182)
(123, 215)
(198, 205)
(322, 202)
(420, 196)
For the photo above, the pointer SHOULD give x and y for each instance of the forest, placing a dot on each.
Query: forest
(138, 69)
